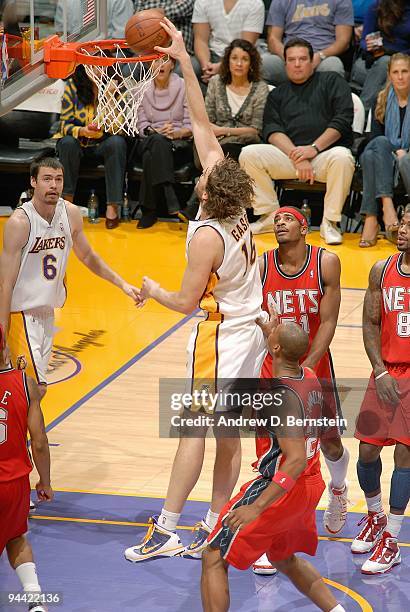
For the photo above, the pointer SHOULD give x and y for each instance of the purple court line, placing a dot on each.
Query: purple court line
(120, 371)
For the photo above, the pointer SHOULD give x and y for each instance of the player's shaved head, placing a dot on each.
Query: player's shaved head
(292, 340)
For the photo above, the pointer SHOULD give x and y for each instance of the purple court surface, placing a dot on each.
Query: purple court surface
(83, 561)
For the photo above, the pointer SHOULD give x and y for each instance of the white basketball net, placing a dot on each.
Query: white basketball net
(121, 88)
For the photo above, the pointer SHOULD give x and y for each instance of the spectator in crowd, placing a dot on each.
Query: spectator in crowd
(164, 127)
(359, 10)
(386, 30)
(307, 123)
(118, 13)
(216, 24)
(79, 137)
(326, 26)
(177, 11)
(236, 98)
(387, 152)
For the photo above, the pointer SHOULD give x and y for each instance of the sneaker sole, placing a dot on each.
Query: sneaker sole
(191, 555)
(264, 572)
(169, 553)
(363, 552)
(330, 532)
(384, 571)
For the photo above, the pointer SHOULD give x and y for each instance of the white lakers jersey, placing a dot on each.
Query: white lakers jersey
(40, 281)
(235, 290)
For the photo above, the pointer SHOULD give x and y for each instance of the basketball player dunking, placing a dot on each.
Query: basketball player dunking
(20, 411)
(384, 418)
(302, 283)
(276, 511)
(222, 277)
(37, 240)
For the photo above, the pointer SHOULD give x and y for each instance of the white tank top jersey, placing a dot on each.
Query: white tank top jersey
(40, 281)
(235, 290)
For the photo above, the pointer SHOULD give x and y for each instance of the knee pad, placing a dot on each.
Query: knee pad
(369, 475)
(400, 488)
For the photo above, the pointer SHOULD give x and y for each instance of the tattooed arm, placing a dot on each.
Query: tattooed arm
(386, 387)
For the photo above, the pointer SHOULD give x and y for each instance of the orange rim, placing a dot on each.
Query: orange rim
(61, 59)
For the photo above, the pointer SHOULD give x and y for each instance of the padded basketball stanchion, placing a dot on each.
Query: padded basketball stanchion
(121, 77)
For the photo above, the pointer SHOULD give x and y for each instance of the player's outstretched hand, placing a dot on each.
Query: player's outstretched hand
(177, 49)
(147, 289)
(268, 325)
(132, 292)
(44, 492)
(241, 517)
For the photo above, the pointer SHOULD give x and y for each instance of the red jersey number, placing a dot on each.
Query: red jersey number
(3, 426)
(403, 324)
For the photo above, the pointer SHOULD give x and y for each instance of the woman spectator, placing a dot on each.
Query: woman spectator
(236, 97)
(79, 137)
(164, 127)
(387, 150)
(386, 30)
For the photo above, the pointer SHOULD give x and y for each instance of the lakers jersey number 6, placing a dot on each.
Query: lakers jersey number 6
(40, 281)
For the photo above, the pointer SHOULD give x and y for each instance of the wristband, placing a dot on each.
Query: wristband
(381, 375)
(284, 481)
(314, 145)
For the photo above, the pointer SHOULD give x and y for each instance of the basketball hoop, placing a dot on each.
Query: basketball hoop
(121, 80)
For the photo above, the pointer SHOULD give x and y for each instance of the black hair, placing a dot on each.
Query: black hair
(298, 42)
(46, 162)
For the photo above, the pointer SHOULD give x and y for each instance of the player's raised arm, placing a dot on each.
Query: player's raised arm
(208, 147)
(15, 236)
(39, 443)
(91, 259)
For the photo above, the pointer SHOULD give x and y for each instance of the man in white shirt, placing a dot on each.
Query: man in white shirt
(217, 23)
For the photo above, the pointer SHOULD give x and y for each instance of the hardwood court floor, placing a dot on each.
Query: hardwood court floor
(102, 405)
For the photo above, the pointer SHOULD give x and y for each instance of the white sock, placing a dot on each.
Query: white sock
(374, 504)
(211, 519)
(27, 575)
(168, 520)
(338, 470)
(394, 522)
(338, 608)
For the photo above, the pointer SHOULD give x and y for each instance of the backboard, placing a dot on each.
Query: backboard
(25, 25)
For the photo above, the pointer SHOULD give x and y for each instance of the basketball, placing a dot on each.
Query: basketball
(143, 31)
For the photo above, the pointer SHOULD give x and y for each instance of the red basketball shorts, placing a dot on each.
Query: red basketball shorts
(14, 509)
(383, 424)
(286, 527)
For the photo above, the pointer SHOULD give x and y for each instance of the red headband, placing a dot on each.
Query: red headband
(292, 211)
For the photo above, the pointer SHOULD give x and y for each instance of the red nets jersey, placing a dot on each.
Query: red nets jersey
(296, 297)
(14, 404)
(309, 394)
(395, 320)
